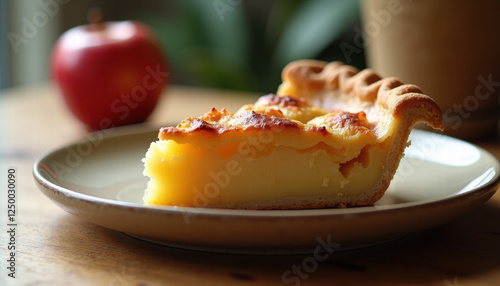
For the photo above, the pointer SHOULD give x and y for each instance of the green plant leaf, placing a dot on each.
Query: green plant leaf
(226, 28)
(315, 25)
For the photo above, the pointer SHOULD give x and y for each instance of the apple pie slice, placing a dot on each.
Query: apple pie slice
(332, 136)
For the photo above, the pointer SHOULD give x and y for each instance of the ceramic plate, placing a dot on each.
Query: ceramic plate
(100, 180)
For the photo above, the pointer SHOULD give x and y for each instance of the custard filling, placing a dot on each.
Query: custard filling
(184, 175)
(333, 136)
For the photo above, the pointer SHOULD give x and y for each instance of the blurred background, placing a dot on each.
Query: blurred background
(227, 44)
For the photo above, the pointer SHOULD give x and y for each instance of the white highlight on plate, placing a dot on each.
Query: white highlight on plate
(442, 150)
(479, 181)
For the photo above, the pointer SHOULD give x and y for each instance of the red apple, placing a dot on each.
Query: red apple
(111, 73)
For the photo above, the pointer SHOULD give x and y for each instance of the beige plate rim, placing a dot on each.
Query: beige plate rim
(267, 232)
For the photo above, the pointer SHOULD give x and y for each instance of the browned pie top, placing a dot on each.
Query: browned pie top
(334, 85)
(320, 98)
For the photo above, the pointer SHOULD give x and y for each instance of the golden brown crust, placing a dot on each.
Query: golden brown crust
(245, 121)
(329, 86)
(315, 99)
(334, 85)
(283, 101)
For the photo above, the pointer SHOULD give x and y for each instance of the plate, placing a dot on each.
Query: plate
(100, 180)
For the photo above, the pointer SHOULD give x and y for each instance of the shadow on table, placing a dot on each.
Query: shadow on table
(445, 255)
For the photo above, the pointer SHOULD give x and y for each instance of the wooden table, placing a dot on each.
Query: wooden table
(55, 248)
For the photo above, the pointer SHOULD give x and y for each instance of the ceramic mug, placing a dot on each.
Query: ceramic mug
(450, 49)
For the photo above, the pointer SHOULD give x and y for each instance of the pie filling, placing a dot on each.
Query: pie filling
(255, 169)
(333, 136)
(184, 175)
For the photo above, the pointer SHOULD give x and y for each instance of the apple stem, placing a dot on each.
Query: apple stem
(94, 16)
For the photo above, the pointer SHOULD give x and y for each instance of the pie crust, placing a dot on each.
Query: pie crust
(332, 136)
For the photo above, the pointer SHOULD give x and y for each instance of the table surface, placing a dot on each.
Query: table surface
(56, 248)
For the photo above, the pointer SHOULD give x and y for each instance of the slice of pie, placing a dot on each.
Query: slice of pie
(332, 136)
